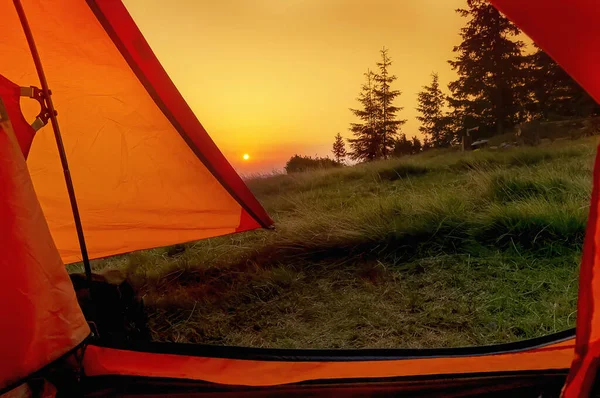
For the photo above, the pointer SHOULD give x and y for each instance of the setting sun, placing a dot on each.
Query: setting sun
(246, 156)
(241, 60)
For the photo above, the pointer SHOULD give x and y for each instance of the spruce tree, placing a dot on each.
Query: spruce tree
(389, 125)
(555, 95)
(430, 105)
(366, 145)
(339, 148)
(490, 89)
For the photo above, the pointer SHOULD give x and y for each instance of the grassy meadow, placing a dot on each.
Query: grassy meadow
(441, 249)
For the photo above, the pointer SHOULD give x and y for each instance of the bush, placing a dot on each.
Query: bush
(298, 164)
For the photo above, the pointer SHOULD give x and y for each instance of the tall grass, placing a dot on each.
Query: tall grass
(439, 249)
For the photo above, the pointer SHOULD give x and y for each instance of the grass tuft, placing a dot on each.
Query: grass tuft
(401, 170)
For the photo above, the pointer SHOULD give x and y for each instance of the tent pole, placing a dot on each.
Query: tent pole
(59, 142)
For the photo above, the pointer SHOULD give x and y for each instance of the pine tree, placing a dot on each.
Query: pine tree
(339, 148)
(367, 144)
(434, 124)
(555, 95)
(489, 91)
(385, 98)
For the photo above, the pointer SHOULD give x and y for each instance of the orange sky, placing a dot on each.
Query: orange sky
(272, 78)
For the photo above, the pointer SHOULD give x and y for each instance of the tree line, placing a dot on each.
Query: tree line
(500, 84)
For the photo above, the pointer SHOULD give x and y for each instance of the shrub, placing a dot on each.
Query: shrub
(298, 164)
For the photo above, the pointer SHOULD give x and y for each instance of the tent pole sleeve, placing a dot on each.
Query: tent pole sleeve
(59, 142)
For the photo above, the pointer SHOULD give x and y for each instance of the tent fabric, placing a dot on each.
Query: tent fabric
(103, 361)
(11, 97)
(41, 320)
(569, 32)
(146, 173)
(498, 385)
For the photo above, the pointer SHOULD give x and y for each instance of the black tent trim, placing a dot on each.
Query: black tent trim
(334, 355)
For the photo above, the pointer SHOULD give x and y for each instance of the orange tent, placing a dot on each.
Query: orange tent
(41, 320)
(147, 174)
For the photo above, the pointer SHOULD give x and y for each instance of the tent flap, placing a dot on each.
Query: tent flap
(569, 32)
(146, 173)
(41, 319)
(11, 96)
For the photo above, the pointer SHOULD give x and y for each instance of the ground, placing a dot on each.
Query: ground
(441, 249)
